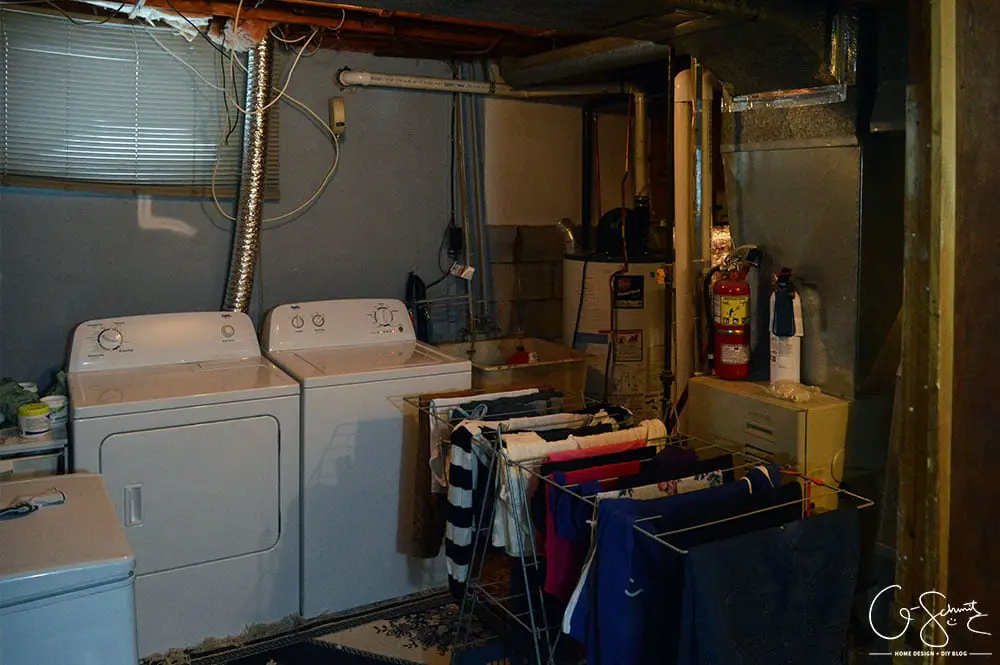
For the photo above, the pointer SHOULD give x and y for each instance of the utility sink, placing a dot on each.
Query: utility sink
(558, 366)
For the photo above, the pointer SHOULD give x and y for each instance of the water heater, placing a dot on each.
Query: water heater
(639, 298)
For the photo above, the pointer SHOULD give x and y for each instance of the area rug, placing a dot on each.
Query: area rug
(420, 638)
(418, 630)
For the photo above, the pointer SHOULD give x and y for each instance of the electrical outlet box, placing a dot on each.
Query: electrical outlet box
(338, 116)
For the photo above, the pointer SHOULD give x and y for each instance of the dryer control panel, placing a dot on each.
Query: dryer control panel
(162, 339)
(327, 323)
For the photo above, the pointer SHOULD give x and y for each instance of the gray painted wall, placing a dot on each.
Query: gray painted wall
(66, 258)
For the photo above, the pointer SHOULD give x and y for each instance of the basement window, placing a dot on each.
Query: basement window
(105, 108)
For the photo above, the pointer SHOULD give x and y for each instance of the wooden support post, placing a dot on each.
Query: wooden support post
(949, 467)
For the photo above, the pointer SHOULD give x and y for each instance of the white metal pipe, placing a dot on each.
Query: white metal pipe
(708, 193)
(348, 78)
(703, 200)
(683, 228)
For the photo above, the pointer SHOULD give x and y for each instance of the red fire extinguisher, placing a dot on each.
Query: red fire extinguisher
(731, 323)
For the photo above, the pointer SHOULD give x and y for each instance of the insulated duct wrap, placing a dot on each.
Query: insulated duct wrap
(249, 212)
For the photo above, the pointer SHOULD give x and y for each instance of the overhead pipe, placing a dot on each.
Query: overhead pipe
(683, 222)
(703, 196)
(581, 59)
(249, 211)
(347, 78)
(690, 186)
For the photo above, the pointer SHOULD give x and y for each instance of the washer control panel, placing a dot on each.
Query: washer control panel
(327, 323)
(162, 339)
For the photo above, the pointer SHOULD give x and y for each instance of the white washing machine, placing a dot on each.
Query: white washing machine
(65, 577)
(197, 437)
(355, 360)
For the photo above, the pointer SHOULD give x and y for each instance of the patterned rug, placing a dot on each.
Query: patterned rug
(418, 630)
(420, 638)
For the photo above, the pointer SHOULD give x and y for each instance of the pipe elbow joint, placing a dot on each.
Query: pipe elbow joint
(347, 78)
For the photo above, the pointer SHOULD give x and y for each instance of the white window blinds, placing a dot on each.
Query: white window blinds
(106, 108)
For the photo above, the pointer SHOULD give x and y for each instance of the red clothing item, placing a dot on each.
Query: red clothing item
(577, 454)
(596, 451)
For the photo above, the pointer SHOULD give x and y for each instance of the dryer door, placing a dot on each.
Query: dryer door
(196, 493)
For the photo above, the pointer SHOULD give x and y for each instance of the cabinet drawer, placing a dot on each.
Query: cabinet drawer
(19, 468)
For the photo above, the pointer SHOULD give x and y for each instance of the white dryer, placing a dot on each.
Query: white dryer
(197, 437)
(356, 360)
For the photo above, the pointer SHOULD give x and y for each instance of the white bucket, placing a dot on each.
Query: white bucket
(59, 406)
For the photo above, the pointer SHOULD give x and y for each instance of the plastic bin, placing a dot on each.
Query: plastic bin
(558, 366)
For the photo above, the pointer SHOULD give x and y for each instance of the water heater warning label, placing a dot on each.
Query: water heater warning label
(629, 292)
(628, 346)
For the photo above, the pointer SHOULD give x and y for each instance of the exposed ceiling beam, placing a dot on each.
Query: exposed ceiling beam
(376, 32)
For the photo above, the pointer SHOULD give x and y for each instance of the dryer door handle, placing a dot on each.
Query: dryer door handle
(133, 505)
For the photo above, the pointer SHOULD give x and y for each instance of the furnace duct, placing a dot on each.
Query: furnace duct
(249, 211)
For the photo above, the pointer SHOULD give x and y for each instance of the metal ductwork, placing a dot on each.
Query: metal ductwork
(580, 59)
(752, 46)
(249, 213)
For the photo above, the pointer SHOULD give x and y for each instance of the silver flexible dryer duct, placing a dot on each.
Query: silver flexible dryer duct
(249, 212)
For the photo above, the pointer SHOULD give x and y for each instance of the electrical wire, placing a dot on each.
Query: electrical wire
(451, 189)
(628, 151)
(278, 97)
(231, 122)
(203, 34)
(318, 45)
(444, 273)
(79, 22)
(294, 102)
(579, 305)
(281, 39)
(613, 339)
(288, 79)
(319, 190)
(182, 61)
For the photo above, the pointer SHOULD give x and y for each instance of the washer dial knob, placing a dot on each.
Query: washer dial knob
(383, 316)
(318, 320)
(228, 331)
(109, 339)
(297, 321)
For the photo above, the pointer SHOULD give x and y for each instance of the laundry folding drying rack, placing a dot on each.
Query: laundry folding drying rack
(522, 619)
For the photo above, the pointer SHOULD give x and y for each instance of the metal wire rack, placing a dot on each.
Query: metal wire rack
(518, 602)
(815, 491)
(514, 606)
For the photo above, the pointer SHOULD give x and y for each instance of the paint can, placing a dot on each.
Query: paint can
(34, 420)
